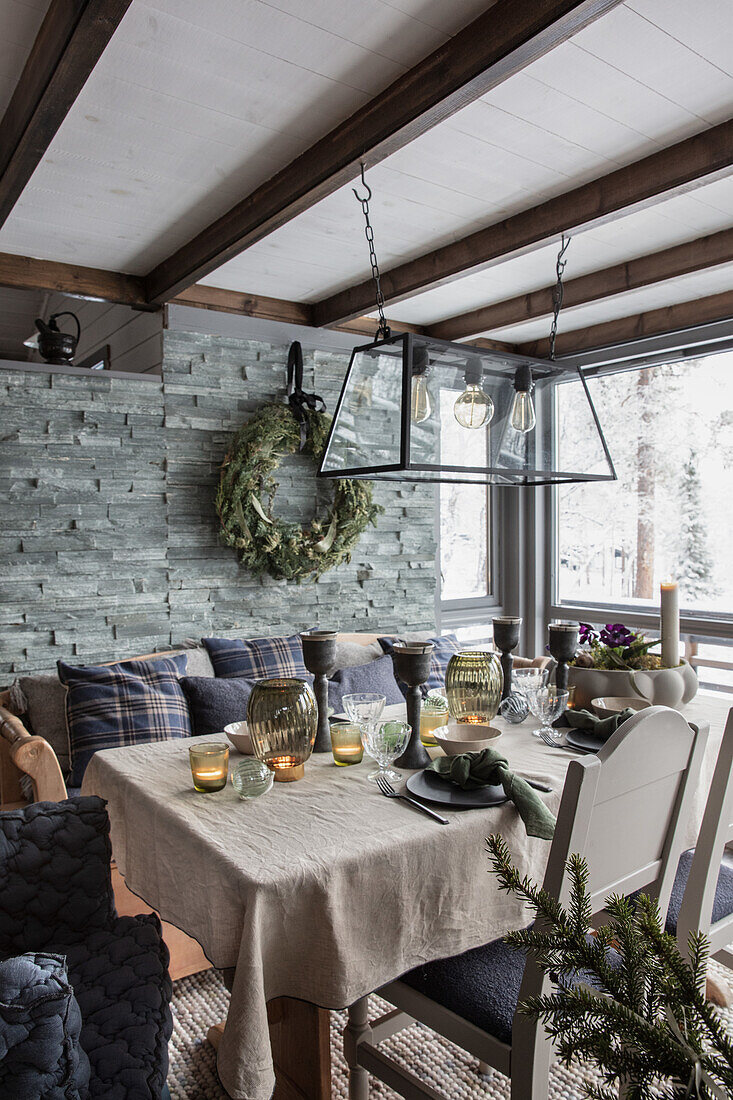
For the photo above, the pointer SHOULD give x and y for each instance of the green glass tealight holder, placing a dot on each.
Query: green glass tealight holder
(209, 766)
(346, 744)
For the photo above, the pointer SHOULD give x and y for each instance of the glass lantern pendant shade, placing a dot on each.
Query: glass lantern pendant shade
(413, 408)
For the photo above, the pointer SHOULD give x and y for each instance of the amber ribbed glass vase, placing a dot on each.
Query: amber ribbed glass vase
(282, 719)
(473, 683)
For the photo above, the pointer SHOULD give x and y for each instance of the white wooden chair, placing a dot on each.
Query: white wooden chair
(702, 897)
(625, 811)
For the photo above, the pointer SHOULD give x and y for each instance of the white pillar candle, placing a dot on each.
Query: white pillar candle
(669, 603)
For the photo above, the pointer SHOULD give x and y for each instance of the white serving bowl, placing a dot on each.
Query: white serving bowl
(239, 736)
(458, 737)
(607, 705)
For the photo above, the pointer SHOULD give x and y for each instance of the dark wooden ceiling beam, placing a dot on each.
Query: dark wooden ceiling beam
(25, 273)
(507, 37)
(671, 263)
(70, 42)
(657, 322)
(688, 164)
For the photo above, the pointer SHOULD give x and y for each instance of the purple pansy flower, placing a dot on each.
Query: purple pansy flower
(586, 634)
(616, 634)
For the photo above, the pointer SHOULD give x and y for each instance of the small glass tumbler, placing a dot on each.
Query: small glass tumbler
(385, 741)
(346, 744)
(251, 778)
(364, 707)
(433, 715)
(209, 766)
(547, 704)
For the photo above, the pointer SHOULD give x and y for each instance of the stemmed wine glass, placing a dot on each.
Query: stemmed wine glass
(385, 741)
(547, 704)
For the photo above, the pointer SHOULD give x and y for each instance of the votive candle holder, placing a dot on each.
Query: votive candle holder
(209, 766)
(346, 744)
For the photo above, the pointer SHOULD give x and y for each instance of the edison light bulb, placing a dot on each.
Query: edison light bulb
(473, 408)
(523, 417)
(420, 405)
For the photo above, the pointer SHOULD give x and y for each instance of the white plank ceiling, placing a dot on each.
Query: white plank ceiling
(193, 105)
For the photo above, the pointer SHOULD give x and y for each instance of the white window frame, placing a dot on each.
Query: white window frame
(539, 535)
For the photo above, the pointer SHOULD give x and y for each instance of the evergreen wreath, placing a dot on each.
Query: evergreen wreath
(246, 490)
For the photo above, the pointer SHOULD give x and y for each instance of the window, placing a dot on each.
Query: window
(670, 432)
(465, 551)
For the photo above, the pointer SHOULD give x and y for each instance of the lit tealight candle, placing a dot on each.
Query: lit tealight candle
(669, 604)
(209, 766)
(346, 744)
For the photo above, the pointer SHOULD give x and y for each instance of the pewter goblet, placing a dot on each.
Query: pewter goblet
(506, 638)
(412, 665)
(319, 655)
(563, 646)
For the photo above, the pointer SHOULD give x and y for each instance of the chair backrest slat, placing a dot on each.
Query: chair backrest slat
(716, 832)
(624, 810)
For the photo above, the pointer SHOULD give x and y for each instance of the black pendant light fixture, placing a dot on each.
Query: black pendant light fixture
(413, 408)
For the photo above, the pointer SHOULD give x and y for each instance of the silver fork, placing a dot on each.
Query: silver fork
(388, 790)
(557, 745)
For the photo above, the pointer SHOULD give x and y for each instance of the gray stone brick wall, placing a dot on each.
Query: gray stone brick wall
(110, 542)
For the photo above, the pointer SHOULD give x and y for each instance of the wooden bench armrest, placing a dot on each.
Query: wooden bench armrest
(22, 753)
(34, 757)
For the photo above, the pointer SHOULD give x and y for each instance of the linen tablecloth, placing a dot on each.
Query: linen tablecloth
(322, 889)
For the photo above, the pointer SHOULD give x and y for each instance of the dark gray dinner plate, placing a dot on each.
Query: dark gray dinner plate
(431, 788)
(584, 739)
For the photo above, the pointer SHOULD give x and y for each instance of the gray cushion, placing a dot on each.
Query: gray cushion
(198, 662)
(45, 696)
(351, 654)
(722, 902)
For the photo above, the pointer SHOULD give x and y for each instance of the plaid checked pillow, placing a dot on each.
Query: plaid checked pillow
(445, 647)
(108, 706)
(257, 658)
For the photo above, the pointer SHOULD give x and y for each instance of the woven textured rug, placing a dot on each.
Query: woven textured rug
(202, 1000)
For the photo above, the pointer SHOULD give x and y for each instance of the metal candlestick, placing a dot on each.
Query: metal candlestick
(563, 647)
(412, 665)
(319, 656)
(506, 638)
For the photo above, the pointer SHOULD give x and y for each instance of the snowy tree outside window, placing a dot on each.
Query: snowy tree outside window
(670, 432)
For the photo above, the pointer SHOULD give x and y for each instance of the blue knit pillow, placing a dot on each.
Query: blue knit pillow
(40, 1025)
(445, 646)
(108, 706)
(377, 676)
(257, 658)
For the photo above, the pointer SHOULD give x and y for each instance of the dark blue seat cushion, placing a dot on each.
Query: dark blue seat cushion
(377, 676)
(40, 1024)
(55, 884)
(215, 702)
(481, 985)
(120, 979)
(109, 706)
(722, 903)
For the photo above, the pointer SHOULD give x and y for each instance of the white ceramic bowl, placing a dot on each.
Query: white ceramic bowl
(238, 734)
(457, 737)
(607, 705)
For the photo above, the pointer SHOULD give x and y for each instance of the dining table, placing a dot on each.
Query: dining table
(322, 890)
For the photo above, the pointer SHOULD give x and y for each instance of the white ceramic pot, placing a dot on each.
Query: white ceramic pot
(666, 687)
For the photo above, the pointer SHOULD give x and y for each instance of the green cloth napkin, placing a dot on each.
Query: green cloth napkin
(602, 728)
(489, 768)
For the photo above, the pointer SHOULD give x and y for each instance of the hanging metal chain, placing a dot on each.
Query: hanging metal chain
(558, 292)
(383, 329)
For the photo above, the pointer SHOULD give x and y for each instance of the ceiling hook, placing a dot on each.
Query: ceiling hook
(368, 188)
